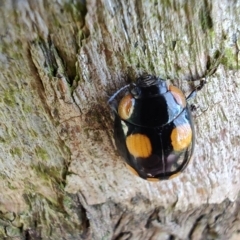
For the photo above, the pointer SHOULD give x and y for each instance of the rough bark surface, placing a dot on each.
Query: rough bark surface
(60, 174)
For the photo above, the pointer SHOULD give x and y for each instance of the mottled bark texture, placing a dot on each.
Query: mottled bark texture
(60, 174)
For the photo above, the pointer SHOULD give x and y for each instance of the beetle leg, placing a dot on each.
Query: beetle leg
(194, 109)
(196, 89)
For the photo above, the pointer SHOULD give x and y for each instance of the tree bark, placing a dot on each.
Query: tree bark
(61, 176)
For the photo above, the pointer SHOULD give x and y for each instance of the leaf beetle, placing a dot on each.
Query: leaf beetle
(153, 127)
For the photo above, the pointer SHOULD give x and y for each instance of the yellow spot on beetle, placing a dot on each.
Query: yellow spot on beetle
(125, 106)
(139, 145)
(132, 170)
(181, 137)
(178, 95)
(153, 179)
(174, 175)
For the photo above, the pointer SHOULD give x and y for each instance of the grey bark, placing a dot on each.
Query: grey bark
(60, 174)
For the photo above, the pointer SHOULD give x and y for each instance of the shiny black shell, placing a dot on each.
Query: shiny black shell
(153, 128)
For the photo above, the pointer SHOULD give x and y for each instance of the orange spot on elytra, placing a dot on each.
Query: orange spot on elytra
(174, 175)
(153, 179)
(178, 95)
(139, 145)
(132, 170)
(181, 137)
(125, 106)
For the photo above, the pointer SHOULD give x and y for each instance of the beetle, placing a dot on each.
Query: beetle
(153, 127)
